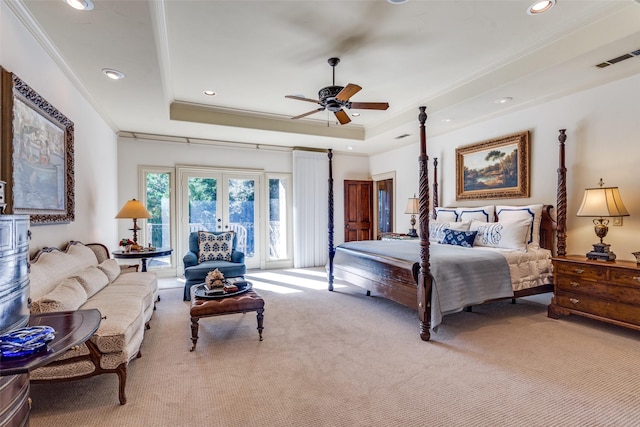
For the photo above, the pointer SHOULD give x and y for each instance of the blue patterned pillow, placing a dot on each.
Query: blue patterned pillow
(459, 238)
(214, 246)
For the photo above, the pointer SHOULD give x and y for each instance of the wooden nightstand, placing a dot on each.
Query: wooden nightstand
(602, 290)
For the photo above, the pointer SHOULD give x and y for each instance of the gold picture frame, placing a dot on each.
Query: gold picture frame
(494, 169)
(36, 154)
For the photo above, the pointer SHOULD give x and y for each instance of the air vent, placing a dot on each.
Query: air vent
(619, 59)
(404, 135)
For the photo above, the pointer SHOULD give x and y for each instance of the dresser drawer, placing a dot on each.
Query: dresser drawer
(624, 294)
(624, 312)
(586, 271)
(582, 303)
(625, 277)
(577, 284)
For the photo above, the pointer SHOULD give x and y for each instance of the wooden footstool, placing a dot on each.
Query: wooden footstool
(242, 303)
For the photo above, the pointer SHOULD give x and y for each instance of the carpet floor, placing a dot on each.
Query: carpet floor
(344, 359)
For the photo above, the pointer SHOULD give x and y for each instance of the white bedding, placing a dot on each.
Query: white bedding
(528, 268)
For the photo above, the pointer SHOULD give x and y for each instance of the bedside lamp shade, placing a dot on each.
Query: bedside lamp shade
(601, 202)
(134, 209)
(412, 209)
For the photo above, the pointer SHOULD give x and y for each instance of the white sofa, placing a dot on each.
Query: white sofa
(85, 277)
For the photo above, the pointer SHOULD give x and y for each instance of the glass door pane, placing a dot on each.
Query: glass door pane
(202, 196)
(278, 219)
(158, 227)
(241, 208)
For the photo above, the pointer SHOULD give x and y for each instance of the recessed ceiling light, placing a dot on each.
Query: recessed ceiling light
(447, 120)
(80, 4)
(540, 7)
(503, 100)
(113, 74)
(397, 1)
(355, 114)
(349, 147)
(210, 92)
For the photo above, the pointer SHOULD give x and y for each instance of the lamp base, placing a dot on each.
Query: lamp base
(601, 252)
(412, 232)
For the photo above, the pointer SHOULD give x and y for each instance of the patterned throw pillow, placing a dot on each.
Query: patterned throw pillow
(511, 235)
(459, 238)
(214, 246)
(515, 213)
(436, 229)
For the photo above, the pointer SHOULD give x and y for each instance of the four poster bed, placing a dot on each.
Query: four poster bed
(437, 279)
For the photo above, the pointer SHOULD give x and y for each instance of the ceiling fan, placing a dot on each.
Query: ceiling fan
(336, 98)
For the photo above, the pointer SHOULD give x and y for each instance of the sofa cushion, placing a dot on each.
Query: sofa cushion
(68, 295)
(215, 246)
(92, 280)
(111, 268)
(122, 319)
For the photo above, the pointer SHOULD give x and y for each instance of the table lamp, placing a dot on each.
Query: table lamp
(601, 202)
(412, 208)
(134, 209)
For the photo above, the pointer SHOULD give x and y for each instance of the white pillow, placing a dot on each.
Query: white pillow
(436, 229)
(446, 215)
(482, 213)
(508, 214)
(512, 235)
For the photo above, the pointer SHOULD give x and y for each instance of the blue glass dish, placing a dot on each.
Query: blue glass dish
(25, 341)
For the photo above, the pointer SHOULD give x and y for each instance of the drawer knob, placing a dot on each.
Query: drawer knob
(575, 284)
(574, 301)
(579, 270)
(636, 278)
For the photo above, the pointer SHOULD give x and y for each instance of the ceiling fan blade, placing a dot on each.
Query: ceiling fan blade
(308, 113)
(302, 98)
(370, 105)
(347, 92)
(342, 117)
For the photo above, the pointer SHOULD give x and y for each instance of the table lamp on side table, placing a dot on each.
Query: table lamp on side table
(134, 209)
(601, 202)
(412, 209)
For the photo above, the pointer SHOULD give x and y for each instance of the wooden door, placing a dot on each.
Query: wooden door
(358, 210)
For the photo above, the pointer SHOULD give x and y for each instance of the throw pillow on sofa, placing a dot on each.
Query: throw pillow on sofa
(111, 268)
(92, 280)
(67, 296)
(215, 246)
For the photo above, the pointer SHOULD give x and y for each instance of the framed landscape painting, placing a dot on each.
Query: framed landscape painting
(36, 154)
(494, 169)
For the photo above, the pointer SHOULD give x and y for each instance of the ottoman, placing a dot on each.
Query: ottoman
(242, 303)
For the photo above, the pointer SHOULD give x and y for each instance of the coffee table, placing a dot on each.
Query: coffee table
(219, 305)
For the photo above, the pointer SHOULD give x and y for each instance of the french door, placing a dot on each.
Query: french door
(212, 200)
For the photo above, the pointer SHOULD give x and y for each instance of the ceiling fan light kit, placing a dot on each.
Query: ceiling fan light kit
(335, 98)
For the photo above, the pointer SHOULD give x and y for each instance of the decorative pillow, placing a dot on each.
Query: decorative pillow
(500, 235)
(214, 246)
(459, 238)
(508, 214)
(446, 215)
(482, 213)
(67, 296)
(92, 280)
(437, 229)
(111, 268)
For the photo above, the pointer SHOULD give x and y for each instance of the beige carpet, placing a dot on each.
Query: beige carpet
(344, 359)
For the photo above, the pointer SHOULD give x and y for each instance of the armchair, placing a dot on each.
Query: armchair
(195, 272)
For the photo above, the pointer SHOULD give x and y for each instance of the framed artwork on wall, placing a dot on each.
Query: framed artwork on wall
(494, 169)
(36, 154)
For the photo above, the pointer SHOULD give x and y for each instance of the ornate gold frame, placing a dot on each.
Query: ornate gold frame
(507, 174)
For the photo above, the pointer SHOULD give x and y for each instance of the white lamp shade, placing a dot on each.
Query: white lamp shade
(602, 201)
(133, 209)
(412, 206)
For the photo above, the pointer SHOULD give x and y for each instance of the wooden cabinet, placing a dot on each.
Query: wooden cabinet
(602, 290)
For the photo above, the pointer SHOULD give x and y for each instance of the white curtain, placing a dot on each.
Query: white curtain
(310, 209)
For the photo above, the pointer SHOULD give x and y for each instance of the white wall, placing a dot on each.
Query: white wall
(603, 141)
(95, 143)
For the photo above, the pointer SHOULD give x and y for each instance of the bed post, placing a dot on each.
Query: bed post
(332, 250)
(424, 278)
(561, 210)
(435, 186)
